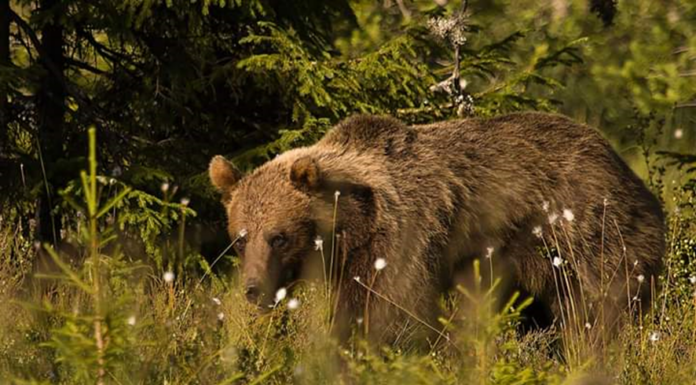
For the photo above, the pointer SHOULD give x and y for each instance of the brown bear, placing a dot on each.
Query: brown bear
(544, 196)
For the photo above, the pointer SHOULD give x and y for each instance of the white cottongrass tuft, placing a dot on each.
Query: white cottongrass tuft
(337, 194)
(545, 206)
(168, 277)
(552, 218)
(654, 336)
(221, 316)
(164, 187)
(359, 320)
(131, 320)
(357, 278)
(318, 244)
(568, 215)
(692, 279)
(242, 233)
(185, 201)
(678, 133)
(588, 325)
(452, 29)
(640, 278)
(217, 301)
(537, 231)
(380, 263)
(293, 304)
(281, 294)
(557, 261)
(489, 252)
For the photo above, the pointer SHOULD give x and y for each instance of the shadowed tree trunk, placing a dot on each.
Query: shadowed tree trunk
(4, 61)
(50, 101)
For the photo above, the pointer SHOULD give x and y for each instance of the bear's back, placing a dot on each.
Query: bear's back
(369, 133)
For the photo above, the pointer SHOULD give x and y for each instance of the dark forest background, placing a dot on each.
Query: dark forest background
(168, 84)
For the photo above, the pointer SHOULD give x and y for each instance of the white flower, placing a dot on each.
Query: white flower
(131, 320)
(588, 325)
(489, 252)
(640, 278)
(217, 301)
(185, 201)
(281, 294)
(568, 215)
(337, 194)
(678, 133)
(242, 233)
(545, 206)
(692, 279)
(293, 304)
(557, 261)
(221, 316)
(165, 187)
(318, 243)
(537, 231)
(168, 276)
(654, 336)
(380, 264)
(553, 218)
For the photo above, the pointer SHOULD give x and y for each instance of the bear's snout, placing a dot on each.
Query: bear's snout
(252, 292)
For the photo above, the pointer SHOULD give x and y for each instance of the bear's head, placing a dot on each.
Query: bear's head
(277, 213)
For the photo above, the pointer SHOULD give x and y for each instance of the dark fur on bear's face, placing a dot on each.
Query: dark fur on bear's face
(273, 214)
(282, 209)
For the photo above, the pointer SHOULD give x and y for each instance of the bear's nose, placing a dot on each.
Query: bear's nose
(252, 293)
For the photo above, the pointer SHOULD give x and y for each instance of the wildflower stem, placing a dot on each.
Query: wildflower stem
(366, 311)
(338, 287)
(333, 251)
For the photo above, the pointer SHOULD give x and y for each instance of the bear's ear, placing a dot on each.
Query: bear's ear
(223, 174)
(305, 174)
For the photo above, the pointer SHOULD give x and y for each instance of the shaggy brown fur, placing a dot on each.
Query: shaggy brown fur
(428, 199)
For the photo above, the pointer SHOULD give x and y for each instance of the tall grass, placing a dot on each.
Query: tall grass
(101, 315)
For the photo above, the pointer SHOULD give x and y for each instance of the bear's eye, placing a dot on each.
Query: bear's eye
(240, 245)
(278, 241)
